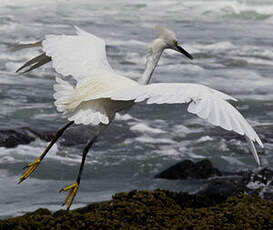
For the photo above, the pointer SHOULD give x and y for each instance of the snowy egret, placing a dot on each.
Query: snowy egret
(99, 92)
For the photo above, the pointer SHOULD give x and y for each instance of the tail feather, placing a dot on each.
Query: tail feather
(81, 112)
(91, 112)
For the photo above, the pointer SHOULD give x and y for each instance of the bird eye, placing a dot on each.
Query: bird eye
(175, 43)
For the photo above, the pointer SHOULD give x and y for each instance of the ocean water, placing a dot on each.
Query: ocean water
(232, 44)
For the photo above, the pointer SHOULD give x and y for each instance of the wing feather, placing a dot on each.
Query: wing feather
(205, 102)
(80, 55)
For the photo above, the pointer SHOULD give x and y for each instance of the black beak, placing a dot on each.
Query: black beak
(181, 50)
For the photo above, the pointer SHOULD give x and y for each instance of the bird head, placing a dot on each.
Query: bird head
(166, 39)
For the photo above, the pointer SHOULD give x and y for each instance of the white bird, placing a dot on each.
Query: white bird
(99, 92)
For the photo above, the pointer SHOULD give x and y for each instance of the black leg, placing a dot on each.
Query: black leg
(84, 154)
(74, 187)
(32, 166)
(55, 138)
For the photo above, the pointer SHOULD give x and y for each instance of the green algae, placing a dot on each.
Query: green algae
(158, 209)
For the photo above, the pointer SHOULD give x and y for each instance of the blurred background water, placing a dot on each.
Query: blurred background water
(231, 41)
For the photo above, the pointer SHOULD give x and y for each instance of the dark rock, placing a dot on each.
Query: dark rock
(264, 176)
(224, 187)
(261, 183)
(77, 135)
(72, 136)
(258, 183)
(11, 138)
(152, 210)
(45, 135)
(187, 169)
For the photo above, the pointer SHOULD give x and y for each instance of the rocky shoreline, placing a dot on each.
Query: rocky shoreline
(227, 202)
(159, 209)
(239, 200)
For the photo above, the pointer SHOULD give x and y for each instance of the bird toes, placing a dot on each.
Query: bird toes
(31, 167)
(71, 195)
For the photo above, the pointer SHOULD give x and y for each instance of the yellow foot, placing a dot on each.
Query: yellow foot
(71, 195)
(31, 167)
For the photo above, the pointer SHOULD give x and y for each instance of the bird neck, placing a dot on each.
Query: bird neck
(152, 59)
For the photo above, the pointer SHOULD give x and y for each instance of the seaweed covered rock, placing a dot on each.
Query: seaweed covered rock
(188, 169)
(158, 209)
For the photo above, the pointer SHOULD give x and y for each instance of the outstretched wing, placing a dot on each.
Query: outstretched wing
(205, 102)
(78, 55)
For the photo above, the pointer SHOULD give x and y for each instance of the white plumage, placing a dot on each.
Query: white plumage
(76, 55)
(83, 56)
(100, 93)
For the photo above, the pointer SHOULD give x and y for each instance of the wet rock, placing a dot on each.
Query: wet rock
(72, 136)
(187, 169)
(224, 187)
(10, 138)
(45, 135)
(263, 176)
(261, 183)
(157, 209)
(257, 183)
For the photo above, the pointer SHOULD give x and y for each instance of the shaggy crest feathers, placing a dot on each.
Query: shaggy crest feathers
(164, 33)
